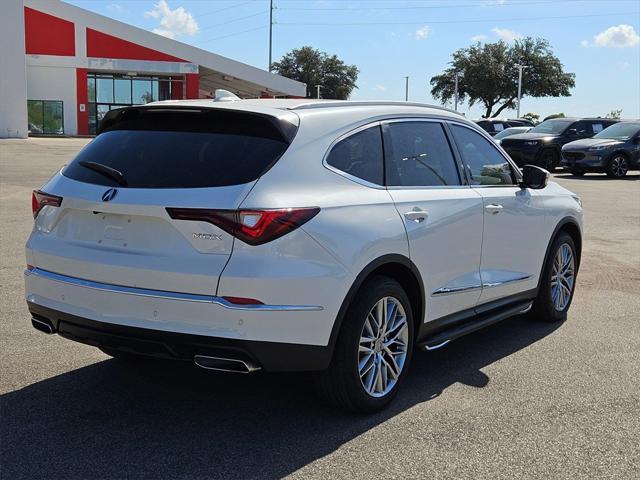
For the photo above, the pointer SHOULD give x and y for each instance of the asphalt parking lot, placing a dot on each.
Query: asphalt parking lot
(521, 399)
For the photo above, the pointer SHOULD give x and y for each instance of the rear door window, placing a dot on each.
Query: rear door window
(360, 155)
(154, 148)
(418, 154)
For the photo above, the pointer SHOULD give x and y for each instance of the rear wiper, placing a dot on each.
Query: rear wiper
(112, 173)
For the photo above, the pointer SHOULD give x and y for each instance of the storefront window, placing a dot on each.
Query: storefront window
(45, 117)
(104, 87)
(109, 91)
(122, 91)
(142, 92)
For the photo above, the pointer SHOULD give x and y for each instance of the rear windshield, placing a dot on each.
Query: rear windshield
(150, 148)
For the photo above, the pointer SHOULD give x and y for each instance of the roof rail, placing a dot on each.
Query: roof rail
(348, 103)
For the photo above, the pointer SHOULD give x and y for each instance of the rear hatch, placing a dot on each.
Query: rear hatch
(112, 225)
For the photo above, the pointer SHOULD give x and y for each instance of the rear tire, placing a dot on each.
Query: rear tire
(558, 281)
(368, 365)
(617, 166)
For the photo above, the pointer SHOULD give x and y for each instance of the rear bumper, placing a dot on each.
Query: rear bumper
(296, 335)
(270, 356)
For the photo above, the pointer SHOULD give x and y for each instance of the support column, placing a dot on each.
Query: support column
(82, 101)
(193, 85)
(13, 71)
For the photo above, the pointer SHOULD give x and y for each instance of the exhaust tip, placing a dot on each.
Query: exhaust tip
(221, 364)
(43, 325)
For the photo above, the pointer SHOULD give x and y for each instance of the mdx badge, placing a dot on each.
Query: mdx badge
(207, 236)
(109, 195)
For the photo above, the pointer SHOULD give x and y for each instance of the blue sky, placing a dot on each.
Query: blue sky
(598, 40)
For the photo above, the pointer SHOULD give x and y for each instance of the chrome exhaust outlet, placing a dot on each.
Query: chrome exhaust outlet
(43, 325)
(221, 364)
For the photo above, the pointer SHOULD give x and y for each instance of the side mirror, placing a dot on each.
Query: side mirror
(534, 177)
(572, 131)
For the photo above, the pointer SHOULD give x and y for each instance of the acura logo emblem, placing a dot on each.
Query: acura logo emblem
(109, 195)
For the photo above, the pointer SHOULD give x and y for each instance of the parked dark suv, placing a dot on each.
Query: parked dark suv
(615, 150)
(496, 125)
(542, 144)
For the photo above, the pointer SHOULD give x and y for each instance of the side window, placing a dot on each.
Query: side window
(485, 164)
(486, 126)
(597, 127)
(583, 128)
(418, 154)
(498, 127)
(360, 155)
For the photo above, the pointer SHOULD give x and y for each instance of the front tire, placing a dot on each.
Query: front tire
(558, 281)
(549, 159)
(373, 350)
(618, 166)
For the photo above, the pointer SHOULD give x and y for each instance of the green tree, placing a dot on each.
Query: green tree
(554, 115)
(617, 113)
(313, 67)
(487, 74)
(533, 117)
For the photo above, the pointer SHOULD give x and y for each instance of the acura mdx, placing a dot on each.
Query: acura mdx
(296, 235)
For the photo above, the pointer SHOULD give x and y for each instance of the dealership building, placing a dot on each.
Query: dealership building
(62, 68)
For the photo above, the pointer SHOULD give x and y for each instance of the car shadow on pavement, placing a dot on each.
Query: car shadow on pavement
(165, 420)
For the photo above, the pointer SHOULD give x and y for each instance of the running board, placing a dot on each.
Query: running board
(444, 337)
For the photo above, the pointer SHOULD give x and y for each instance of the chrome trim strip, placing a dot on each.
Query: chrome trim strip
(506, 282)
(145, 292)
(435, 347)
(452, 290)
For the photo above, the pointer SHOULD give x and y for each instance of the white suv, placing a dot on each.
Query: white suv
(293, 235)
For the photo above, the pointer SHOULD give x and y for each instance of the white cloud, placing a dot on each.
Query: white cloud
(422, 33)
(584, 43)
(173, 23)
(506, 34)
(116, 7)
(479, 38)
(379, 88)
(619, 36)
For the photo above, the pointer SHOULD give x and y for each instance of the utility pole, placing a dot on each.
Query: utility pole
(318, 91)
(406, 89)
(270, 32)
(520, 69)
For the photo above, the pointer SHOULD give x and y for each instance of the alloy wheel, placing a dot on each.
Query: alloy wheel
(562, 277)
(383, 347)
(619, 166)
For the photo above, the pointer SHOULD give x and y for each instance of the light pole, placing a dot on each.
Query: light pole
(520, 69)
(457, 75)
(270, 32)
(318, 91)
(406, 89)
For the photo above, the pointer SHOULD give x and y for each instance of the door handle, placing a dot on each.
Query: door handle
(494, 208)
(417, 215)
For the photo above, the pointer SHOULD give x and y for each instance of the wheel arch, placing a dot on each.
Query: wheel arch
(395, 266)
(571, 227)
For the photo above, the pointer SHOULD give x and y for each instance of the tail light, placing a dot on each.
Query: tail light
(254, 227)
(40, 199)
